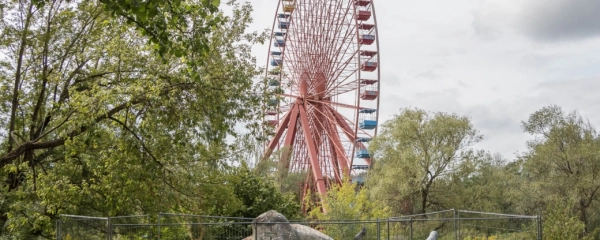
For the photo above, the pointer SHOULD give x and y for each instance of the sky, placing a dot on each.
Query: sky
(494, 61)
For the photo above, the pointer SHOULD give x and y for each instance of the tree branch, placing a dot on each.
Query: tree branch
(15, 153)
(138, 138)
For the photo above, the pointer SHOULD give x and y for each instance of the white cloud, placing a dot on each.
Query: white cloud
(544, 20)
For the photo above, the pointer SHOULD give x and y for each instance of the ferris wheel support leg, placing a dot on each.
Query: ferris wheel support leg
(312, 150)
(290, 135)
(278, 134)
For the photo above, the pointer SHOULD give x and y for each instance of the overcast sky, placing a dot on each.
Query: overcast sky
(495, 61)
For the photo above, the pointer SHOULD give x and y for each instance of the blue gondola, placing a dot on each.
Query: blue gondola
(360, 167)
(368, 37)
(279, 43)
(367, 110)
(363, 153)
(367, 124)
(279, 34)
(283, 25)
(276, 62)
(275, 53)
(283, 15)
(363, 139)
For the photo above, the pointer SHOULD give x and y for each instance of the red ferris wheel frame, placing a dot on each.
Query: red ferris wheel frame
(325, 50)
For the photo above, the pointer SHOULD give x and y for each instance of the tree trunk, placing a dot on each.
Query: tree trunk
(424, 195)
(15, 97)
(583, 215)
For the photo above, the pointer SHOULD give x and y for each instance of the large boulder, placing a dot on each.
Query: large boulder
(433, 235)
(272, 225)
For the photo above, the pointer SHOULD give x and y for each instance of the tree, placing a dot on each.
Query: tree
(560, 224)
(258, 194)
(172, 27)
(345, 202)
(482, 182)
(414, 151)
(563, 161)
(95, 123)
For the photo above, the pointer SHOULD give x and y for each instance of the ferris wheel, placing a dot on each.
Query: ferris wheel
(324, 75)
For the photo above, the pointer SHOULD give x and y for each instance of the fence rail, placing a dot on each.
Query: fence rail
(449, 224)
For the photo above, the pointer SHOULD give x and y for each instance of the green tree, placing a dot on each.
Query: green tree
(482, 182)
(561, 224)
(259, 194)
(414, 153)
(345, 202)
(95, 123)
(563, 161)
(172, 27)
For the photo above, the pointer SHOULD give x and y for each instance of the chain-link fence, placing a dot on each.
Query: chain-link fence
(82, 227)
(466, 225)
(188, 226)
(449, 224)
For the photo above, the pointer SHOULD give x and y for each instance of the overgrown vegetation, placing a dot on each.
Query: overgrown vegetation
(96, 122)
(123, 107)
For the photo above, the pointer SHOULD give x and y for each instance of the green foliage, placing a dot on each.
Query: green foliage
(96, 123)
(563, 162)
(560, 224)
(482, 238)
(346, 203)
(117, 107)
(414, 152)
(258, 195)
(172, 27)
(276, 168)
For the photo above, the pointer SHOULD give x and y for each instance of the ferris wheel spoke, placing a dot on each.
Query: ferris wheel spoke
(337, 104)
(325, 14)
(334, 53)
(345, 56)
(345, 79)
(298, 152)
(337, 143)
(327, 151)
(341, 89)
(341, 121)
(320, 59)
(346, 121)
(329, 127)
(319, 125)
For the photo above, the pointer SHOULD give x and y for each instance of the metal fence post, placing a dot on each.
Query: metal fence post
(378, 230)
(158, 227)
(58, 237)
(455, 229)
(540, 227)
(388, 229)
(458, 232)
(411, 228)
(109, 229)
(255, 232)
